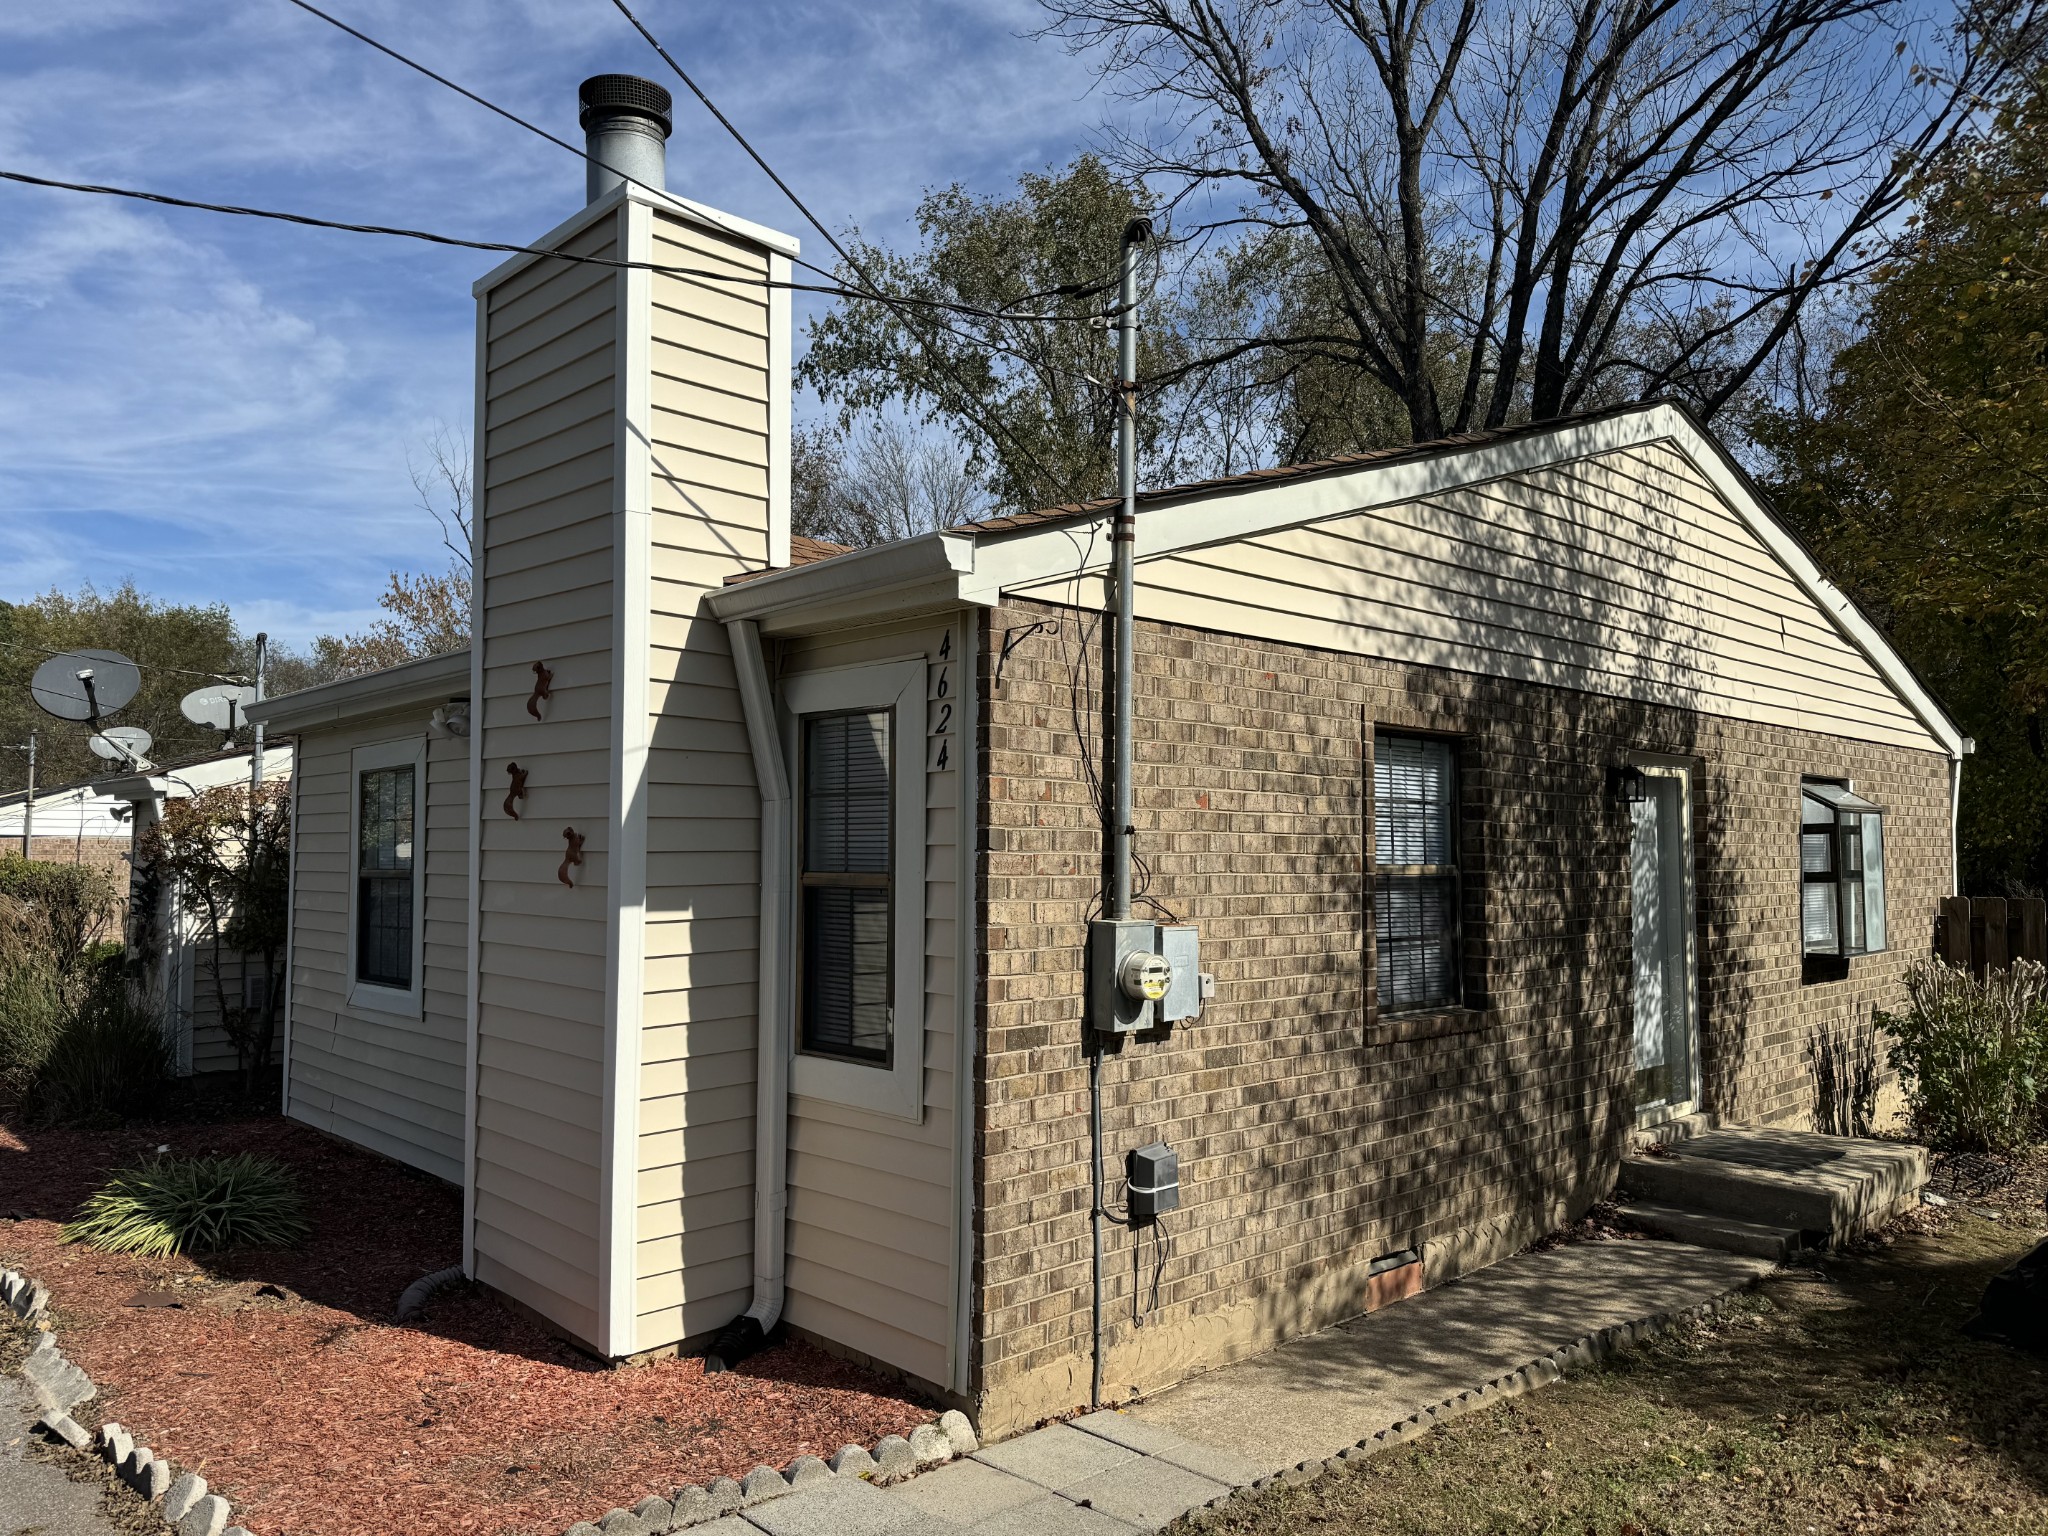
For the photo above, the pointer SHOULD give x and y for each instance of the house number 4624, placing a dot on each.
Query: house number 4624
(939, 754)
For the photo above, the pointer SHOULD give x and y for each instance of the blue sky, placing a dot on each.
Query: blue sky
(223, 408)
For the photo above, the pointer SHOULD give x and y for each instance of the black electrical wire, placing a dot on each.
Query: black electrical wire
(1064, 290)
(991, 424)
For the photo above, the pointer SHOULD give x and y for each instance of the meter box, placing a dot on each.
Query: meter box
(1178, 942)
(1127, 976)
(1152, 1181)
(1142, 975)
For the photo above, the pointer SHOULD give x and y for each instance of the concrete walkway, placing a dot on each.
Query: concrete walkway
(1113, 1474)
(34, 1495)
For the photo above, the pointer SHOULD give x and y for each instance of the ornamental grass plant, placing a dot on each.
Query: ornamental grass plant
(1973, 1054)
(173, 1205)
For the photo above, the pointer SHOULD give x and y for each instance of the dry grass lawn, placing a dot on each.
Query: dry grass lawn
(1838, 1400)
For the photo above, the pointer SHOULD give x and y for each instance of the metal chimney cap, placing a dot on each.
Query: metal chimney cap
(603, 96)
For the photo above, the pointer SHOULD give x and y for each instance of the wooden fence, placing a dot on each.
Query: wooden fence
(1982, 933)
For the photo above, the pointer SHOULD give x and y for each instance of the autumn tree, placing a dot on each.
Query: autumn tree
(1920, 473)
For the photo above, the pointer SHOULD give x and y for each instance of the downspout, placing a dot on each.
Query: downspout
(1124, 546)
(747, 1332)
(1955, 815)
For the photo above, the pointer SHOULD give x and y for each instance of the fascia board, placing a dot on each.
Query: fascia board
(1005, 562)
(887, 581)
(431, 680)
(680, 207)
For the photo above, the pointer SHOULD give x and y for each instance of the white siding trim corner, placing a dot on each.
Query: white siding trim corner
(626, 928)
(779, 377)
(967, 947)
(475, 828)
(291, 905)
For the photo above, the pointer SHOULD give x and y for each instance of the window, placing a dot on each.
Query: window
(855, 744)
(1841, 872)
(1415, 874)
(386, 866)
(847, 885)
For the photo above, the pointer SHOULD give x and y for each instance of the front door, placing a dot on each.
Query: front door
(1660, 890)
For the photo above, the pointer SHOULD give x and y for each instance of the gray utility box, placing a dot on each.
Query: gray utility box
(1152, 1181)
(1120, 975)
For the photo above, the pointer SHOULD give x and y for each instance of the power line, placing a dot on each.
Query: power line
(938, 357)
(700, 275)
(486, 103)
(145, 666)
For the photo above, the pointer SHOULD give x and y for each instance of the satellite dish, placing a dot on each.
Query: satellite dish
(219, 705)
(83, 685)
(122, 744)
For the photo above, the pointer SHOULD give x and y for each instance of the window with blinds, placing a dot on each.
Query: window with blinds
(847, 886)
(384, 877)
(1415, 872)
(1841, 871)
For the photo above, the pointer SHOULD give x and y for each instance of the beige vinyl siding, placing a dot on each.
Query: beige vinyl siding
(870, 1195)
(1624, 574)
(708, 409)
(545, 472)
(385, 1082)
(212, 1050)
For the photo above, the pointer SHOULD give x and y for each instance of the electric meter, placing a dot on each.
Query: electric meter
(1144, 976)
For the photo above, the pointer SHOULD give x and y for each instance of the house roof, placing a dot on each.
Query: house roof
(431, 679)
(975, 563)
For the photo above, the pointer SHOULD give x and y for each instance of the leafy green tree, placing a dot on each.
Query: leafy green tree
(1922, 475)
(1029, 399)
(179, 647)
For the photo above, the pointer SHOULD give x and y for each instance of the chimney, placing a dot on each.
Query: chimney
(626, 125)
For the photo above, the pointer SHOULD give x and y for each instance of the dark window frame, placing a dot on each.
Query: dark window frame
(386, 883)
(1461, 994)
(1832, 821)
(809, 880)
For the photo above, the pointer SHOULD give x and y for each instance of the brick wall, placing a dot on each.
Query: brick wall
(1313, 1135)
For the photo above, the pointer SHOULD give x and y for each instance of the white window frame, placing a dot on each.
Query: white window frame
(370, 996)
(896, 1090)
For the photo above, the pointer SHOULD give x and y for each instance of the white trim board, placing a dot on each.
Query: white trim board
(473, 909)
(626, 865)
(646, 197)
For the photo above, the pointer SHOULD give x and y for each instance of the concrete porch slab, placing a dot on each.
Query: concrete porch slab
(1834, 1187)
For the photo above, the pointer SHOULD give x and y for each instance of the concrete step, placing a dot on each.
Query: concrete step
(1835, 1187)
(1726, 1233)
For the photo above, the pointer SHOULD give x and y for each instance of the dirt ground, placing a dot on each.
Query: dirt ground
(1839, 1400)
(282, 1378)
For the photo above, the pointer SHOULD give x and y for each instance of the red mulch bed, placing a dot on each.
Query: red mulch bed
(281, 1377)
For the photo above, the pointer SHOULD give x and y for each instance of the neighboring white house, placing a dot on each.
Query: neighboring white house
(193, 1013)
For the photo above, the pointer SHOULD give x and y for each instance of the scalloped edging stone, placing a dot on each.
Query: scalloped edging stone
(892, 1458)
(60, 1385)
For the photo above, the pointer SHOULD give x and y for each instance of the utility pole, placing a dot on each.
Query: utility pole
(28, 806)
(256, 750)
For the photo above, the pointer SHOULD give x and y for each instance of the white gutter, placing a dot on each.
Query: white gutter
(430, 680)
(771, 1070)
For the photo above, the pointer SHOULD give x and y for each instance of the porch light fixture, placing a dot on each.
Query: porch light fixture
(1634, 784)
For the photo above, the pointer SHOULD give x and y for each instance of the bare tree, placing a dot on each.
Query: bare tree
(880, 480)
(445, 491)
(1528, 207)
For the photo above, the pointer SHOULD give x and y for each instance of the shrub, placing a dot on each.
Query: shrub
(35, 1004)
(60, 909)
(192, 1205)
(1974, 1055)
(106, 1058)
